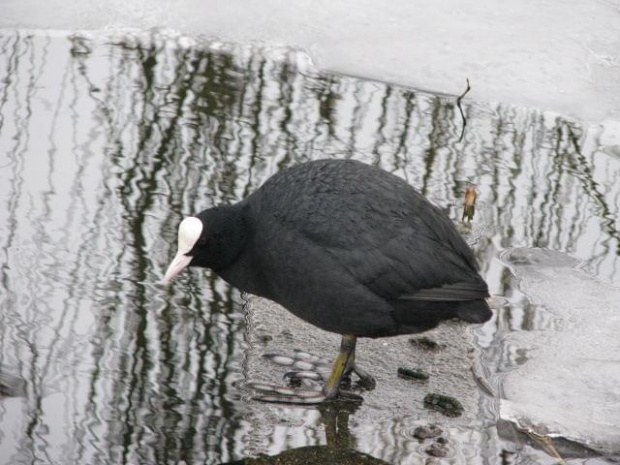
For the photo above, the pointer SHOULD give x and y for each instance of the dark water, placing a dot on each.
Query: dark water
(107, 142)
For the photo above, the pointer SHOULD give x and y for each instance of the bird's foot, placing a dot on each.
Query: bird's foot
(308, 382)
(309, 368)
(365, 379)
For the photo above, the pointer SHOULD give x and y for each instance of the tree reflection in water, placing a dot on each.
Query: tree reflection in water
(107, 141)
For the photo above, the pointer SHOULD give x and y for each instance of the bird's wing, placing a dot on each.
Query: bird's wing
(375, 227)
(410, 254)
(400, 260)
(413, 266)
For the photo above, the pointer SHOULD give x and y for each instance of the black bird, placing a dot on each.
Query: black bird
(345, 246)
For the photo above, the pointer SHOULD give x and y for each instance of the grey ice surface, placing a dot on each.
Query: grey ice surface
(568, 383)
(385, 421)
(562, 56)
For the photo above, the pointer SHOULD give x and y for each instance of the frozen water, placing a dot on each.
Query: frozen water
(569, 383)
(555, 55)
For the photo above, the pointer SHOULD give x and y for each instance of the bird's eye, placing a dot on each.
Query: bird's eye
(202, 241)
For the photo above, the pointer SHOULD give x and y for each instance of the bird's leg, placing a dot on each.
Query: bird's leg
(309, 369)
(366, 380)
(343, 363)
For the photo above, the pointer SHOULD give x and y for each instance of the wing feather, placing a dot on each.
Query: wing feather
(380, 230)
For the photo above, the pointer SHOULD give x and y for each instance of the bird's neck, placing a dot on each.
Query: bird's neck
(233, 232)
(236, 265)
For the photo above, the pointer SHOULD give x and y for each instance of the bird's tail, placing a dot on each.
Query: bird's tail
(474, 311)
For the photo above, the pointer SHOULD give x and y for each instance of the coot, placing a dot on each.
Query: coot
(345, 246)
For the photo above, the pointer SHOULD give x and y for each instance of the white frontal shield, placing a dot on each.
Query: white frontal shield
(190, 230)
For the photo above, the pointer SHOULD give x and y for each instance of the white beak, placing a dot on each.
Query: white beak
(190, 230)
(176, 266)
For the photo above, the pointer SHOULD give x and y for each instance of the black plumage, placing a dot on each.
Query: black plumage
(347, 247)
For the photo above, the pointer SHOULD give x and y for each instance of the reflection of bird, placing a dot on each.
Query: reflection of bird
(339, 447)
(345, 246)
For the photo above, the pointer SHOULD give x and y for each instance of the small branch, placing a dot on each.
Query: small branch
(458, 104)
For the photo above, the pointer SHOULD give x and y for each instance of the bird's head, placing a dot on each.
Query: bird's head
(190, 239)
(212, 239)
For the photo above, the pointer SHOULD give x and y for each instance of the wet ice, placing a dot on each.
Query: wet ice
(569, 384)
